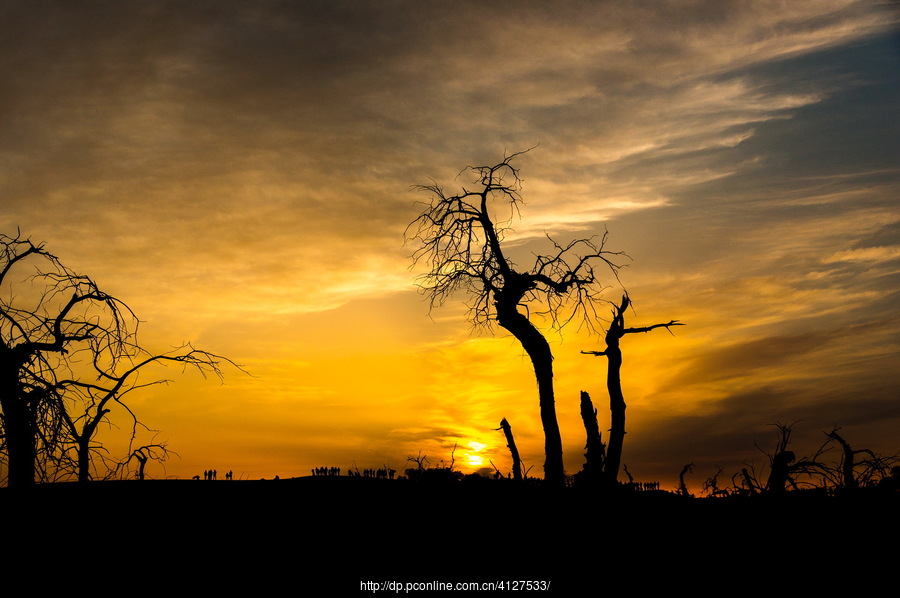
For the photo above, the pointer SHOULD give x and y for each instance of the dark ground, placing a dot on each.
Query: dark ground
(333, 533)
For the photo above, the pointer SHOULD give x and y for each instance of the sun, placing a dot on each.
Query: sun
(473, 459)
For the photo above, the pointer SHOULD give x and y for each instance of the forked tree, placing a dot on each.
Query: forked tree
(461, 239)
(613, 353)
(68, 353)
(872, 468)
(84, 405)
(143, 454)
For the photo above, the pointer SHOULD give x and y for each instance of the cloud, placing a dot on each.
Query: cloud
(242, 175)
(867, 254)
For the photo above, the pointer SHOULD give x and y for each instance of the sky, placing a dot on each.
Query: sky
(241, 175)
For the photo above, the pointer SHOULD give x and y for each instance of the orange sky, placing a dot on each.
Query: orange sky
(241, 177)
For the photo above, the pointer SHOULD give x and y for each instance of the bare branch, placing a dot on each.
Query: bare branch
(460, 244)
(459, 241)
(69, 355)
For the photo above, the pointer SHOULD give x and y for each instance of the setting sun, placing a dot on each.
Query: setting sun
(473, 459)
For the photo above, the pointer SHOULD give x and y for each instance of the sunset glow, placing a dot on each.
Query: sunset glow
(242, 178)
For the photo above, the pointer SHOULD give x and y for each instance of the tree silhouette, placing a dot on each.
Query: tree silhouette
(682, 485)
(852, 473)
(786, 471)
(68, 353)
(143, 454)
(462, 247)
(83, 406)
(780, 461)
(513, 450)
(594, 449)
(613, 354)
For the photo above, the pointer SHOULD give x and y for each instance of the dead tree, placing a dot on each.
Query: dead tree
(786, 470)
(613, 354)
(421, 462)
(452, 456)
(40, 334)
(85, 405)
(594, 449)
(628, 475)
(780, 473)
(63, 342)
(711, 485)
(142, 460)
(749, 482)
(848, 461)
(144, 454)
(682, 486)
(780, 461)
(511, 443)
(461, 243)
(853, 472)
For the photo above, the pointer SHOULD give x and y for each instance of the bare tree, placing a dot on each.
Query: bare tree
(594, 449)
(83, 406)
(421, 462)
(780, 461)
(144, 454)
(852, 473)
(816, 471)
(613, 354)
(628, 475)
(856, 468)
(749, 483)
(462, 246)
(786, 470)
(711, 485)
(68, 352)
(514, 452)
(682, 485)
(848, 460)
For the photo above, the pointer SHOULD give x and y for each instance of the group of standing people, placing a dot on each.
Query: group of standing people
(647, 486)
(384, 472)
(326, 471)
(210, 474)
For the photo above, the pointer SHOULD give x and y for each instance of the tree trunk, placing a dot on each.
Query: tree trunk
(538, 350)
(594, 450)
(20, 437)
(616, 411)
(19, 427)
(752, 488)
(781, 470)
(613, 354)
(83, 443)
(84, 459)
(848, 479)
(682, 486)
(511, 443)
